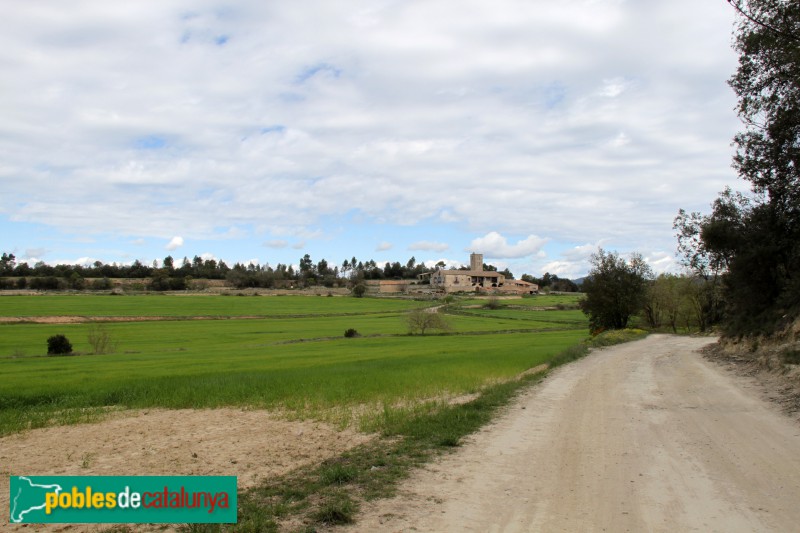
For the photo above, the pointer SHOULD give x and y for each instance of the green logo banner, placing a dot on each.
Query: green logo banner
(122, 499)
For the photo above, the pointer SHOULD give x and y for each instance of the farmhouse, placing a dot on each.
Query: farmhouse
(478, 280)
(467, 280)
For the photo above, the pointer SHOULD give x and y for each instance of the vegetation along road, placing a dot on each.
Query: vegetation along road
(644, 436)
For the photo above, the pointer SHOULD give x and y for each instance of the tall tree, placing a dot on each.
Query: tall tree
(758, 240)
(615, 289)
(7, 264)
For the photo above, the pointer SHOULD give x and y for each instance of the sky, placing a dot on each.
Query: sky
(532, 131)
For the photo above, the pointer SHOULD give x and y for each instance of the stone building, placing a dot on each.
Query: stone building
(476, 279)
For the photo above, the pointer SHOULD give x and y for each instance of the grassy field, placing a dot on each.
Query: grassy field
(289, 354)
(539, 301)
(192, 305)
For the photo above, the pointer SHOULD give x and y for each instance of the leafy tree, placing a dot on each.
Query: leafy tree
(671, 302)
(615, 290)
(755, 242)
(507, 273)
(7, 263)
(306, 265)
(359, 290)
(767, 83)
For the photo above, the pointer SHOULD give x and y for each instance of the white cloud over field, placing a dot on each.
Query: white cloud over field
(261, 122)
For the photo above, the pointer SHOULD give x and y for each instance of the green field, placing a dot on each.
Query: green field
(193, 305)
(286, 353)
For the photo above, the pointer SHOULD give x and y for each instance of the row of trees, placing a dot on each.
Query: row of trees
(552, 282)
(197, 268)
(168, 275)
(618, 290)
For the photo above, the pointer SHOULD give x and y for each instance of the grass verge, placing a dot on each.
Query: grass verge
(332, 492)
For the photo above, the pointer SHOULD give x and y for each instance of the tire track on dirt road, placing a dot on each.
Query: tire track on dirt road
(645, 436)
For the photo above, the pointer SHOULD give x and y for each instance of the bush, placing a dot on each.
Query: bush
(492, 303)
(58, 345)
(359, 290)
(100, 340)
(350, 333)
(49, 283)
(102, 284)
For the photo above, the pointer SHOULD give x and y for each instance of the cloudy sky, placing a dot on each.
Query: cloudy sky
(532, 131)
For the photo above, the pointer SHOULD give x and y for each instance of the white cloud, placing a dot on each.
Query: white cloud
(384, 246)
(175, 243)
(564, 118)
(620, 140)
(582, 252)
(565, 269)
(495, 245)
(662, 262)
(34, 253)
(277, 243)
(449, 264)
(614, 87)
(429, 246)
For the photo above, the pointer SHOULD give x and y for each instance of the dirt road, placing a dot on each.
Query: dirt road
(646, 436)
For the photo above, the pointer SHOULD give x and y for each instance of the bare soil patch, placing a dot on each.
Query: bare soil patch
(250, 444)
(765, 367)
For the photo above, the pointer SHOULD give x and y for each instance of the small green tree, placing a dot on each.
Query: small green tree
(58, 345)
(359, 290)
(615, 290)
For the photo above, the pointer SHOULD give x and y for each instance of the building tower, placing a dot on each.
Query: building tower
(476, 262)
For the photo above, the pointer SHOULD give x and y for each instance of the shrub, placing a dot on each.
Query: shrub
(58, 345)
(102, 284)
(100, 340)
(791, 356)
(492, 303)
(359, 290)
(350, 333)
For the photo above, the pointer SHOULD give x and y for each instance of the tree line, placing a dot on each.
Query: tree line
(171, 275)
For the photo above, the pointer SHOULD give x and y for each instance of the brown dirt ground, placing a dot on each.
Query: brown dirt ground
(251, 444)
